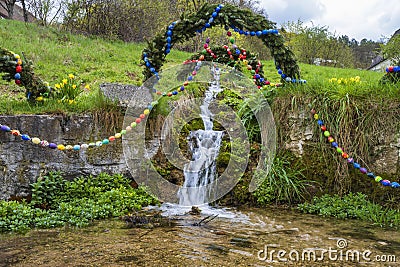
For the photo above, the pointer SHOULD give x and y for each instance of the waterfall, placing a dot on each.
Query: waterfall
(204, 146)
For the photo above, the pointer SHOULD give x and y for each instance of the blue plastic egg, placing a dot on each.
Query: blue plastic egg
(25, 137)
(395, 185)
(52, 146)
(356, 165)
(5, 128)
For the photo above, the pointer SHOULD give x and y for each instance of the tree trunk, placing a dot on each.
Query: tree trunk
(25, 11)
(10, 8)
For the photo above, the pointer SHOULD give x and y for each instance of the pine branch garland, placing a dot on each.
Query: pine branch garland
(34, 86)
(229, 16)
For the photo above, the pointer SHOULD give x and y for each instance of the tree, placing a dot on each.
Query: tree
(46, 11)
(392, 49)
(8, 5)
(24, 10)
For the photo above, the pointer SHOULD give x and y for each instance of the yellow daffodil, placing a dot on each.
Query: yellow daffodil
(57, 86)
(71, 101)
(87, 87)
(65, 81)
(351, 80)
(74, 86)
(71, 76)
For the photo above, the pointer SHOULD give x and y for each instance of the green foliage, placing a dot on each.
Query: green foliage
(57, 202)
(47, 190)
(284, 183)
(352, 206)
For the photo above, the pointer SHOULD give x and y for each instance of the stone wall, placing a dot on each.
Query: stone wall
(384, 152)
(22, 162)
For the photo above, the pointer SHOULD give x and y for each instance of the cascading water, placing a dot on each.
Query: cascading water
(204, 145)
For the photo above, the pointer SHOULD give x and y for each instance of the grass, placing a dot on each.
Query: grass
(56, 53)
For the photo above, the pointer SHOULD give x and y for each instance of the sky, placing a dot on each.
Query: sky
(358, 19)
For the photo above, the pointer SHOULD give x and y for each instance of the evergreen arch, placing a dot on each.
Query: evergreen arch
(229, 16)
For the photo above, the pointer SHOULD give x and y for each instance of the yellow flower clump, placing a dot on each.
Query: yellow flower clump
(345, 81)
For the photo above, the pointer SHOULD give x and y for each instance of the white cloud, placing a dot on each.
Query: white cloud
(357, 19)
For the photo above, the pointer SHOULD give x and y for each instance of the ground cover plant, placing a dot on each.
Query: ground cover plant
(57, 202)
(352, 206)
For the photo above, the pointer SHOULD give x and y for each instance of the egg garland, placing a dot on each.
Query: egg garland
(228, 16)
(258, 77)
(18, 69)
(393, 69)
(152, 65)
(106, 141)
(347, 157)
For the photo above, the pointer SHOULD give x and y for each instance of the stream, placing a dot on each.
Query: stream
(248, 237)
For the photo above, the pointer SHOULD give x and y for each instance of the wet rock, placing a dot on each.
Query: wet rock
(195, 210)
